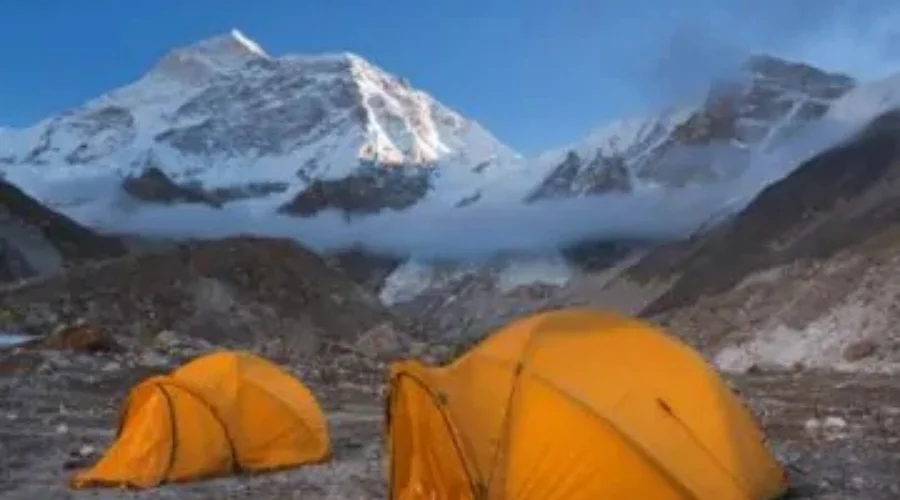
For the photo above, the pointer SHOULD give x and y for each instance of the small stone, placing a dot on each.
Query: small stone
(858, 351)
(381, 339)
(62, 429)
(86, 450)
(811, 424)
(417, 349)
(112, 366)
(835, 422)
(57, 360)
(12, 416)
(151, 359)
(80, 337)
(166, 340)
(83, 359)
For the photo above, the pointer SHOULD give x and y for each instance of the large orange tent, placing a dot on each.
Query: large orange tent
(220, 414)
(575, 405)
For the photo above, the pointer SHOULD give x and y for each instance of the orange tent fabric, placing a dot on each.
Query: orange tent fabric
(576, 405)
(222, 413)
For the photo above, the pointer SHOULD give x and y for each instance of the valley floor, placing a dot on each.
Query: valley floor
(840, 433)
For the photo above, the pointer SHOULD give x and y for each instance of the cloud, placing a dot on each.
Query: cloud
(468, 233)
(472, 232)
(860, 38)
(694, 54)
(707, 40)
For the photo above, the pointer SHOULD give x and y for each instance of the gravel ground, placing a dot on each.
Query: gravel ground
(840, 433)
(59, 412)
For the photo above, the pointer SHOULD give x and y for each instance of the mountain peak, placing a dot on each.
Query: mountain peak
(238, 37)
(770, 66)
(234, 43)
(197, 62)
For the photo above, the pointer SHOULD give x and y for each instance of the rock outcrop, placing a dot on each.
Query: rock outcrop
(37, 240)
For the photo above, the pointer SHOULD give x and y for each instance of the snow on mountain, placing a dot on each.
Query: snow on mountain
(867, 101)
(597, 164)
(748, 133)
(221, 115)
(765, 105)
(504, 275)
(221, 122)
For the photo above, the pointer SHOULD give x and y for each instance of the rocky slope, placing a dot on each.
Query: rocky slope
(806, 274)
(236, 291)
(36, 240)
(220, 120)
(756, 111)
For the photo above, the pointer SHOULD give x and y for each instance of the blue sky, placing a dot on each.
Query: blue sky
(537, 73)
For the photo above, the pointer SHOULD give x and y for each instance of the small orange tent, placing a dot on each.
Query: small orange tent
(575, 405)
(222, 413)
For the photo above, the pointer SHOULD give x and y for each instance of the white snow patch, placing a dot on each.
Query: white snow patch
(415, 277)
(249, 44)
(406, 282)
(530, 271)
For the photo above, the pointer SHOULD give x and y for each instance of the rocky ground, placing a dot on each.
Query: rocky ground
(840, 433)
(60, 407)
(106, 326)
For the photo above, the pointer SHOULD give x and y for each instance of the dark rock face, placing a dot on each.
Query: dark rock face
(765, 105)
(597, 255)
(772, 96)
(13, 265)
(810, 80)
(367, 268)
(154, 186)
(27, 226)
(369, 190)
(600, 175)
(746, 110)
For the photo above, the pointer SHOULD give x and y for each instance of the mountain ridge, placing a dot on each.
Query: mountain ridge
(219, 114)
(226, 120)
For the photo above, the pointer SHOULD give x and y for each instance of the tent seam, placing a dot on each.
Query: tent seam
(235, 458)
(448, 423)
(173, 429)
(508, 415)
(600, 415)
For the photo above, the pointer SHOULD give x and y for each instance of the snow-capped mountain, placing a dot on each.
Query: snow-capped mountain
(760, 109)
(222, 120)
